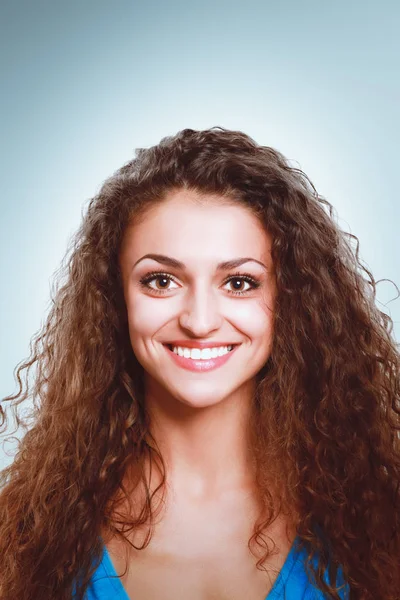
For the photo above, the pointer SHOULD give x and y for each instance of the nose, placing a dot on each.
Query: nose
(201, 315)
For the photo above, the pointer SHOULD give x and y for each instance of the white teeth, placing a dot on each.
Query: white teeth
(205, 354)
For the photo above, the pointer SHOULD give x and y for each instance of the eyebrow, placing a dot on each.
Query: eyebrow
(177, 264)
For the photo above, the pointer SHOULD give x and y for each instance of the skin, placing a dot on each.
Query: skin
(199, 548)
(187, 408)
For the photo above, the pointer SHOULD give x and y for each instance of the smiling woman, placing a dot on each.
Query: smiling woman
(198, 306)
(219, 396)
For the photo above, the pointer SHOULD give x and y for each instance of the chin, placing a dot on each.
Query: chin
(202, 398)
(201, 402)
(195, 393)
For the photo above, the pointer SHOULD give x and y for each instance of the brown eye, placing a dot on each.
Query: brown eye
(164, 280)
(237, 281)
(238, 284)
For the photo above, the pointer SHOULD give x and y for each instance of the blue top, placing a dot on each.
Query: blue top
(292, 582)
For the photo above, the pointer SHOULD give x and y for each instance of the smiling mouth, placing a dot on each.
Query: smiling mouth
(232, 346)
(201, 363)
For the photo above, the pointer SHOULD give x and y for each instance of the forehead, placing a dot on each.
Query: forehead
(196, 227)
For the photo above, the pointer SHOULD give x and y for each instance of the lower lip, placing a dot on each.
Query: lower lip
(200, 365)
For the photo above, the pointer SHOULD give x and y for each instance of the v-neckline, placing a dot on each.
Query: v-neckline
(274, 592)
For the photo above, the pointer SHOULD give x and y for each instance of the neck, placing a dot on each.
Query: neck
(205, 449)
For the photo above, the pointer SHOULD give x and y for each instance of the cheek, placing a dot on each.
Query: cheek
(254, 319)
(146, 315)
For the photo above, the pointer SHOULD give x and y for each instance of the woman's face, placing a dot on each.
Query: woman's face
(198, 302)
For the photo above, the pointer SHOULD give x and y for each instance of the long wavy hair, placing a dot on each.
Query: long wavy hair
(326, 412)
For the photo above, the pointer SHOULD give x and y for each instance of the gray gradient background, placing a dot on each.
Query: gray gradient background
(85, 83)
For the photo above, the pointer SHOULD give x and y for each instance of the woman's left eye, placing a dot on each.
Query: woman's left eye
(240, 281)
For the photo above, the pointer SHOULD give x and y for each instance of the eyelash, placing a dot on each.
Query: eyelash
(149, 277)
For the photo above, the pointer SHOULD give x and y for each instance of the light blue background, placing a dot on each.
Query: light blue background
(85, 83)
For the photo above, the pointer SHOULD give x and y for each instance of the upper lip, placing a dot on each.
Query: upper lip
(193, 344)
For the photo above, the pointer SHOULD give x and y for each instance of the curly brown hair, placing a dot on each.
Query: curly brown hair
(326, 411)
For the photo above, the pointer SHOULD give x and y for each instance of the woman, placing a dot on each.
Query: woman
(219, 396)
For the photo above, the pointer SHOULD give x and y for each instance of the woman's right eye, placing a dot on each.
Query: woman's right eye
(162, 278)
